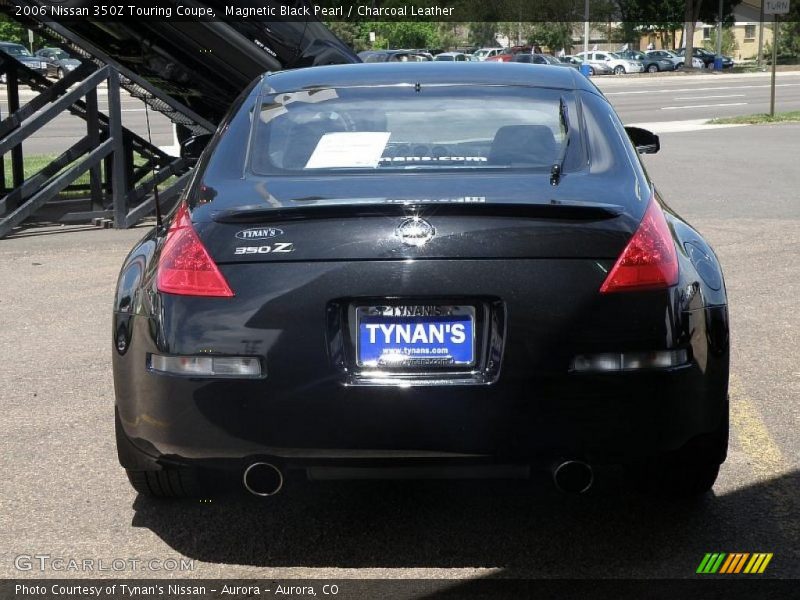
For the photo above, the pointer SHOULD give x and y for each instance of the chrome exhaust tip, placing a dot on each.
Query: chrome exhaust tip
(262, 479)
(573, 476)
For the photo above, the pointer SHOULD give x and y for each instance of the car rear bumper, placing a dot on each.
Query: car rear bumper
(614, 418)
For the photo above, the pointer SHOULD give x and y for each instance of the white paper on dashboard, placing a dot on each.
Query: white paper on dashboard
(349, 149)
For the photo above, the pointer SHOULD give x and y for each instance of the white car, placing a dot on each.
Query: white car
(676, 59)
(451, 57)
(485, 53)
(619, 65)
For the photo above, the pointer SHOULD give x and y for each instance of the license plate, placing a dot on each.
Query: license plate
(415, 336)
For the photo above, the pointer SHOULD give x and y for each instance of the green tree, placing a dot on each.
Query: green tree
(789, 36)
(408, 34)
(554, 36)
(12, 31)
(355, 35)
(729, 45)
(482, 33)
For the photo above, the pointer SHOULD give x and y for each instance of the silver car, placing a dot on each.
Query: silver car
(675, 59)
(594, 69)
(618, 65)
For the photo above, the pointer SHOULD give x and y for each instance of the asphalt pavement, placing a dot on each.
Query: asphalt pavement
(64, 495)
(658, 99)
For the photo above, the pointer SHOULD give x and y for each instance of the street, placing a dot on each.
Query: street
(63, 131)
(682, 97)
(64, 493)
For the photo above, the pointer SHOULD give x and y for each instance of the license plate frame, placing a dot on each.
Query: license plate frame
(413, 314)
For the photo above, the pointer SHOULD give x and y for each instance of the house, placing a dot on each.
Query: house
(747, 29)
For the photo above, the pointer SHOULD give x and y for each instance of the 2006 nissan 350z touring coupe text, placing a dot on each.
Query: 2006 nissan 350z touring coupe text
(421, 269)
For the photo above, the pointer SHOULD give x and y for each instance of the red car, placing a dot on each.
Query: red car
(508, 54)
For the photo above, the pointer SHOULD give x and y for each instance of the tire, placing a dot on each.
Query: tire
(619, 70)
(678, 66)
(652, 69)
(60, 74)
(169, 483)
(591, 70)
(675, 479)
(689, 472)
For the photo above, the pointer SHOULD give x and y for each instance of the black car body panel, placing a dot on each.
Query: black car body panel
(525, 253)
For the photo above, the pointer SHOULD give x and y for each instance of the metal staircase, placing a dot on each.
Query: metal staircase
(189, 71)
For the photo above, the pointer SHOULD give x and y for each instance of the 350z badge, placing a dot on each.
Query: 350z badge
(276, 248)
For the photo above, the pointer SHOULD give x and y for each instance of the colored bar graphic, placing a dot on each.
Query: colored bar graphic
(740, 564)
(727, 564)
(765, 563)
(704, 563)
(734, 563)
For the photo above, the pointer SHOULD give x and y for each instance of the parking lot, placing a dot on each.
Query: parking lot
(65, 495)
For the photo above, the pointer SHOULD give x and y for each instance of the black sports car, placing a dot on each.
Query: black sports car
(363, 279)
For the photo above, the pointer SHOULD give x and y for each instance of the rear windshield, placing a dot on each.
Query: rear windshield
(410, 127)
(16, 50)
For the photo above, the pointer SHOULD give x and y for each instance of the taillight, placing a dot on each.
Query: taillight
(649, 261)
(185, 267)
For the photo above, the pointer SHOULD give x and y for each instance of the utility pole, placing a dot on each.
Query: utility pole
(761, 36)
(774, 8)
(718, 57)
(774, 61)
(586, 26)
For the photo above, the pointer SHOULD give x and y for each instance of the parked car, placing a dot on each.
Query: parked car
(485, 53)
(427, 292)
(541, 59)
(618, 65)
(59, 63)
(652, 64)
(451, 57)
(377, 56)
(601, 68)
(508, 54)
(707, 57)
(674, 58)
(22, 54)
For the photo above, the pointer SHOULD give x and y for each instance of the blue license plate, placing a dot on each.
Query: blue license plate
(416, 337)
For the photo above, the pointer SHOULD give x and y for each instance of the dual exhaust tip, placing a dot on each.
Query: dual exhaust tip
(570, 476)
(262, 479)
(573, 476)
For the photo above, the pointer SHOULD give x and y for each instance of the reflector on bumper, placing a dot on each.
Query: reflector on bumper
(206, 366)
(629, 361)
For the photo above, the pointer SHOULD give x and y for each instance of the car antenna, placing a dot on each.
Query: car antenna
(159, 221)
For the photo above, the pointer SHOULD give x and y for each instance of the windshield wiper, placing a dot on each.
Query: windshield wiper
(558, 167)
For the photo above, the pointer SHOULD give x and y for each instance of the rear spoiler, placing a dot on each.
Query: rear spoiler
(551, 210)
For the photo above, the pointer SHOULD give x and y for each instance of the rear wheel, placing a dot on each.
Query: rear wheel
(591, 71)
(652, 69)
(688, 472)
(619, 70)
(60, 74)
(676, 479)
